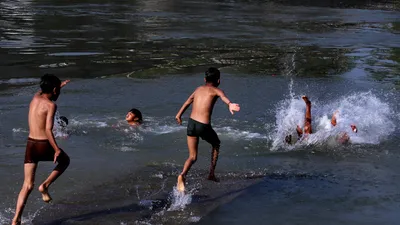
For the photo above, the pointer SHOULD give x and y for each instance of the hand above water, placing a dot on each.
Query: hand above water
(234, 107)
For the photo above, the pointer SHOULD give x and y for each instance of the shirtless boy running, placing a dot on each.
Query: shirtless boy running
(199, 125)
(41, 145)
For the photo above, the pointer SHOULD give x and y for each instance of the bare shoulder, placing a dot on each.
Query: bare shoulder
(198, 90)
(51, 104)
(48, 104)
(218, 91)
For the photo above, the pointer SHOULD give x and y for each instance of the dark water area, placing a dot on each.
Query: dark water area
(345, 55)
(96, 38)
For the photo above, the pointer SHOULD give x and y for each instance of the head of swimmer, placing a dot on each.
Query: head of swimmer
(50, 85)
(212, 76)
(134, 117)
(288, 139)
(63, 121)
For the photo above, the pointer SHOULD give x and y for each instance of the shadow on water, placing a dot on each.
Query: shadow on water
(146, 197)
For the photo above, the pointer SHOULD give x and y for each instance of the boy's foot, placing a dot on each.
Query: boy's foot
(306, 100)
(181, 184)
(45, 194)
(213, 178)
(16, 222)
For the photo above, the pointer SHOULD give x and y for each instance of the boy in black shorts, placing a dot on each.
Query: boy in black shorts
(203, 99)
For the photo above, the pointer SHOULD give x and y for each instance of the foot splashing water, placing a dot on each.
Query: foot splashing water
(374, 118)
(179, 200)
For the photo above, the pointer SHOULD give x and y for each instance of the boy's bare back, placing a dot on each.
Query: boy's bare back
(204, 98)
(40, 117)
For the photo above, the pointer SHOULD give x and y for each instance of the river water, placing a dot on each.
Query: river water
(151, 55)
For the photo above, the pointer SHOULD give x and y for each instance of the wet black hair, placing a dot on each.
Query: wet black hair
(63, 121)
(137, 114)
(212, 75)
(48, 82)
(288, 139)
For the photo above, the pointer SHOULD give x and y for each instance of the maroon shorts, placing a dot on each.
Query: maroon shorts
(41, 150)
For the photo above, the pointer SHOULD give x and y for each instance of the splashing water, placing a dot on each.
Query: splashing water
(179, 200)
(10, 213)
(59, 127)
(373, 117)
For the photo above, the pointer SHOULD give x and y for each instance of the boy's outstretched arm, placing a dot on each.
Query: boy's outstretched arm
(64, 83)
(183, 108)
(61, 86)
(232, 106)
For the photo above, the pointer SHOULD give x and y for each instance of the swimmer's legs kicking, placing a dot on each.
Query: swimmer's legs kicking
(193, 144)
(307, 121)
(334, 120)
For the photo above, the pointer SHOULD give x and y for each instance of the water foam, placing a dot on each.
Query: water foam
(16, 81)
(373, 116)
(179, 200)
(6, 217)
(239, 134)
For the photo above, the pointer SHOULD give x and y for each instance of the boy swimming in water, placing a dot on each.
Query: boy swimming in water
(199, 125)
(343, 136)
(41, 145)
(307, 123)
(307, 119)
(134, 117)
(63, 121)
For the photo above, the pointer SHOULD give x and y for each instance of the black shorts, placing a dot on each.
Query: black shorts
(205, 131)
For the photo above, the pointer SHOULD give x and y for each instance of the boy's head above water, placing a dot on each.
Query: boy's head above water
(212, 76)
(134, 117)
(63, 121)
(50, 84)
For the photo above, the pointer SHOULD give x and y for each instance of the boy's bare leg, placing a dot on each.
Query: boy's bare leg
(214, 159)
(63, 163)
(333, 120)
(299, 131)
(27, 187)
(307, 122)
(193, 144)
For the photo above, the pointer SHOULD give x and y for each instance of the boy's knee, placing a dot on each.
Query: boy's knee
(216, 146)
(28, 186)
(63, 161)
(193, 158)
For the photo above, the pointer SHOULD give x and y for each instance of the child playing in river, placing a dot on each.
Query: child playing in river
(199, 125)
(41, 145)
(134, 117)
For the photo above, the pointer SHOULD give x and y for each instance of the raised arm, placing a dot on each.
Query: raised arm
(49, 130)
(64, 83)
(183, 108)
(232, 106)
(61, 86)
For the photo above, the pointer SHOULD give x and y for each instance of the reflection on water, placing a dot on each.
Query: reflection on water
(145, 38)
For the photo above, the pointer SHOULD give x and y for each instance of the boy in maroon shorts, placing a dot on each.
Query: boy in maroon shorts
(41, 145)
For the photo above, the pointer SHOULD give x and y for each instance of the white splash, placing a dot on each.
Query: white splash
(373, 117)
(239, 134)
(179, 200)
